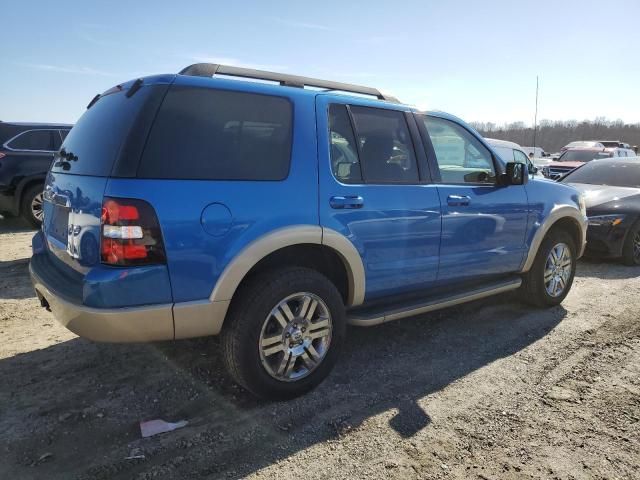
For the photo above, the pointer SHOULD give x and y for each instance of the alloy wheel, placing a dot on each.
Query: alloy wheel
(36, 207)
(557, 270)
(295, 337)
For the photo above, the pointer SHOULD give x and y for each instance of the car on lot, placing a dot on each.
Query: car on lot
(571, 159)
(582, 144)
(611, 188)
(274, 214)
(512, 152)
(538, 152)
(614, 144)
(26, 152)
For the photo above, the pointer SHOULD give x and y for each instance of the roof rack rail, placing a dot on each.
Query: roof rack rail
(211, 69)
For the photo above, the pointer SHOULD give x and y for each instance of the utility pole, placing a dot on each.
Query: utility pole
(535, 119)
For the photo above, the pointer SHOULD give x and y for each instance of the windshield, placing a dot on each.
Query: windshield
(615, 173)
(582, 155)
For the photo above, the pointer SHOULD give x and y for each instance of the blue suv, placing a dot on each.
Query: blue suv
(276, 210)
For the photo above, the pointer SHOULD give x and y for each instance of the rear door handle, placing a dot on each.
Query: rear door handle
(458, 200)
(341, 202)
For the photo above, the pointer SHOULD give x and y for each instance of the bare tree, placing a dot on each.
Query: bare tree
(553, 135)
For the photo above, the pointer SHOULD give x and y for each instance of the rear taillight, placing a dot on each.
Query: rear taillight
(130, 233)
(2, 155)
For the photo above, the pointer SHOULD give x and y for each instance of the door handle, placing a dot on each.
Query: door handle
(458, 200)
(340, 202)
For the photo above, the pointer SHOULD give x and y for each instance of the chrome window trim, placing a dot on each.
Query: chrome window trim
(6, 144)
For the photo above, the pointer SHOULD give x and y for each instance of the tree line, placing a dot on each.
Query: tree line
(553, 135)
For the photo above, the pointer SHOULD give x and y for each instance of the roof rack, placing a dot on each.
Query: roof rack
(211, 69)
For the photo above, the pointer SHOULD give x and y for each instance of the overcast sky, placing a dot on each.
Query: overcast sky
(477, 60)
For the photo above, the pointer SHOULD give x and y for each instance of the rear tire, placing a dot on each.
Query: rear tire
(631, 247)
(31, 205)
(284, 332)
(549, 280)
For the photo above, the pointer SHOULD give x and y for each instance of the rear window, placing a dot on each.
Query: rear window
(617, 173)
(93, 144)
(582, 155)
(208, 134)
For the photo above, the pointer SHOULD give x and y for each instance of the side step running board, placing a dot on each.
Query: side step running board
(396, 312)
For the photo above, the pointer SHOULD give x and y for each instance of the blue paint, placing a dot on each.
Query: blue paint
(216, 219)
(409, 237)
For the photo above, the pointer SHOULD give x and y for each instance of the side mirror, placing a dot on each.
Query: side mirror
(515, 174)
(532, 168)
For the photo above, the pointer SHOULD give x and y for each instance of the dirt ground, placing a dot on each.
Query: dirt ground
(489, 390)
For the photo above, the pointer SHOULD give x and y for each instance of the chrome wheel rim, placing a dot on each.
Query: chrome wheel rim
(636, 246)
(295, 337)
(557, 270)
(36, 207)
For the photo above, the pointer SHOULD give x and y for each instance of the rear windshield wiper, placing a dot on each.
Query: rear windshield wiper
(93, 101)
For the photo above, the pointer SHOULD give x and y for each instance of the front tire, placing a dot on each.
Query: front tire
(549, 280)
(284, 332)
(31, 205)
(631, 248)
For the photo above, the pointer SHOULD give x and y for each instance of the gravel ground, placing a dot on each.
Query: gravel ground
(489, 390)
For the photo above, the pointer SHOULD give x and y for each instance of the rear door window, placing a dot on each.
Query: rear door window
(38, 140)
(345, 163)
(385, 146)
(208, 134)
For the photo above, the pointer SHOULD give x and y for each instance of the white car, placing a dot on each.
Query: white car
(512, 152)
(537, 152)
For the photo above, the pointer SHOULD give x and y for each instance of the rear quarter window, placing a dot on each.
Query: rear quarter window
(208, 134)
(36, 140)
(93, 144)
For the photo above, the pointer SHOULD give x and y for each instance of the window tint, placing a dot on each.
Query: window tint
(33, 140)
(618, 173)
(93, 144)
(386, 150)
(583, 155)
(202, 133)
(460, 155)
(344, 151)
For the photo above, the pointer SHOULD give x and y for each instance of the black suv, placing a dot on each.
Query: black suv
(26, 152)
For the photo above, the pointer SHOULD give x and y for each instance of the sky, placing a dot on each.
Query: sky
(475, 59)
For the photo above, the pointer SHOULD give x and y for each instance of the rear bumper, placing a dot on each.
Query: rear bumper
(63, 295)
(134, 324)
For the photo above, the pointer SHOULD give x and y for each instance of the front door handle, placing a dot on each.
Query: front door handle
(458, 200)
(340, 202)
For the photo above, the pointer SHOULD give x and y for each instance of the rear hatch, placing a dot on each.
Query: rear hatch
(106, 141)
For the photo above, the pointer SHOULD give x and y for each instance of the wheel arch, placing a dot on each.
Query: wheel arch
(22, 187)
(305, 245)
(567, 218)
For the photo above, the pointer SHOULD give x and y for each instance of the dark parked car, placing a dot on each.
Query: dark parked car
(612, 193)
(26, 152)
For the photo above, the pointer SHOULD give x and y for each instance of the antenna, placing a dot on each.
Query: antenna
(535, 120)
